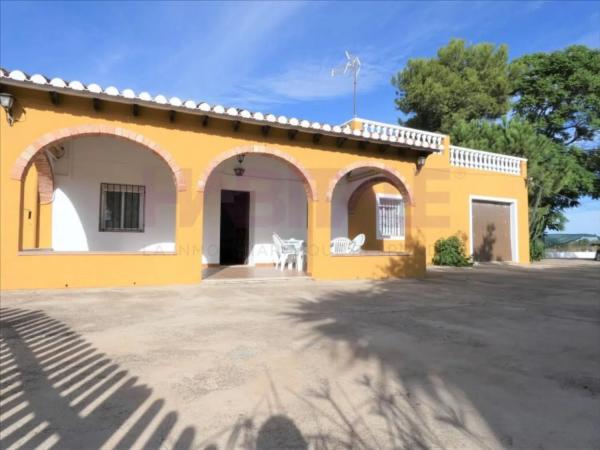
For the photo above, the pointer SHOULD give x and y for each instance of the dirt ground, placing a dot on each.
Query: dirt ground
(486, 357)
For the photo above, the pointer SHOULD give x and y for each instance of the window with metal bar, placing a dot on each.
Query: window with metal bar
(122, 207)
(390, 217)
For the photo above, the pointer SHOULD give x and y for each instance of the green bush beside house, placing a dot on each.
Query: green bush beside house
(451, 252)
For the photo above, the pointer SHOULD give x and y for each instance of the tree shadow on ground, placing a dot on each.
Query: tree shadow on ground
(466, 358)
(334, 420)
(58, 391)
(471, 358)
(485, 251)
(53, 380)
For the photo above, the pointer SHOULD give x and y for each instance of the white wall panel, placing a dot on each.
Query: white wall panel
(75, 209)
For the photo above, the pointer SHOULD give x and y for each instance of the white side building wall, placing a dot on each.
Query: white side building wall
(569, 255)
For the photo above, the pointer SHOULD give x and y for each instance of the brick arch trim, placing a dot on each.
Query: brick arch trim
(27, 157)
(310, 186)
(389, 174)
(45, 177)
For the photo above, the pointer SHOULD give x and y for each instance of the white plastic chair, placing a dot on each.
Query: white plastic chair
(341, 246)
(284, 253)
(357, 243)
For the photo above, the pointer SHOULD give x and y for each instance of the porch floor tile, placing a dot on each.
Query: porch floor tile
(248, 272)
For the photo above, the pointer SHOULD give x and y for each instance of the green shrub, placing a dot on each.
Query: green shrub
(450, 252)
(536, 249)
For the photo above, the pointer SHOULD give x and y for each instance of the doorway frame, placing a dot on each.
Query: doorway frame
(514, 231)
(249, 259)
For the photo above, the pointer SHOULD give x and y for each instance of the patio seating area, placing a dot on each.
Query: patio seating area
(289, 260)
(290, 252)
(344, 245)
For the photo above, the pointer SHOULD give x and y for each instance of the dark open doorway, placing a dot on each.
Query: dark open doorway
(235, 227)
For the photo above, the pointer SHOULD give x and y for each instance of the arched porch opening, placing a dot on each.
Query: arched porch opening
(250, 194)
(372, 200)
(98, 190)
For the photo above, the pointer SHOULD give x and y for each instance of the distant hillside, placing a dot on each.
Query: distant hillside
(562, 239)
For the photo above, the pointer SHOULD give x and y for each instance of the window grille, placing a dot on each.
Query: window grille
(122, 207)
(390, 217)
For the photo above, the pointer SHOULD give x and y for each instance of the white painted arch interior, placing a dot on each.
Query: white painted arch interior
(342, 192)
(90, 161)
(278, 204)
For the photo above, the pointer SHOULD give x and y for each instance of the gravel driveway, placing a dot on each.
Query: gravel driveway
(487, 357)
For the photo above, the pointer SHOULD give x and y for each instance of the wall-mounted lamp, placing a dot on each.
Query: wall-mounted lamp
(421, 162)
(57, 151)
(239, 169)
(7, 101)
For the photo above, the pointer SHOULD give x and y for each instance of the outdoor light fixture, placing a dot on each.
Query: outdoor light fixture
(239, 169)
(7, 101)
(421, 162)
(57, 151)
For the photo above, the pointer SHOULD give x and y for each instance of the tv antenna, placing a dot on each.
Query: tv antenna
(352, 65)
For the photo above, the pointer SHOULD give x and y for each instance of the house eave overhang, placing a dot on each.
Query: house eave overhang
(219, 112)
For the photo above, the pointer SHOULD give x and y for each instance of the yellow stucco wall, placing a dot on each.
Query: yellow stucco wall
(444, 193)
(440, 192)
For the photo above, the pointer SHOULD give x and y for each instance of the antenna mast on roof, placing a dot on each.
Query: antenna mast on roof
(352, 64)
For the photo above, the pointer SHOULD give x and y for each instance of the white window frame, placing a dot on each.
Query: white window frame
(514, 222)
(379, 197)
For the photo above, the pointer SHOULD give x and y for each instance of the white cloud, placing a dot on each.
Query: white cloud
(107, 63)
(303, 79)
(312, 80)
(253, 55)
(230, 47)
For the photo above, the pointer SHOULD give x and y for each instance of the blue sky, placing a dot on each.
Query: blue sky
(277, 57)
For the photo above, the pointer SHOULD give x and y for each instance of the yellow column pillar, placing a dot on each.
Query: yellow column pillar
(311, 233)
(446, 145)
(188, 235)
(356, 124)
(319, 239)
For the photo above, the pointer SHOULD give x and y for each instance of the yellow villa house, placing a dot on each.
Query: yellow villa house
(107, 187)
